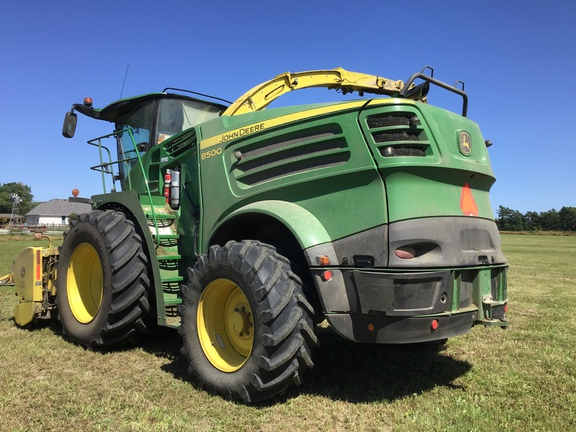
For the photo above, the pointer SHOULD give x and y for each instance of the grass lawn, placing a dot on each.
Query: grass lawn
(522, 379)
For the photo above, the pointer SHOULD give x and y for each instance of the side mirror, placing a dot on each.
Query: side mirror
(69, 124)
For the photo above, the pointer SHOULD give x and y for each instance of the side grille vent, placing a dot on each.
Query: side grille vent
(294, 153)
(398, 134)
(181, 143)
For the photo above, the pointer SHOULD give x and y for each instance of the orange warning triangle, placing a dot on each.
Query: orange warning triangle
(467, 203)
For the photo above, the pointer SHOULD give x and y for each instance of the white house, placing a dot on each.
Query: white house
(55, 212)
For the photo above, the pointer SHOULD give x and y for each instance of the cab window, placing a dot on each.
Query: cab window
(139, 122)
(176, 115)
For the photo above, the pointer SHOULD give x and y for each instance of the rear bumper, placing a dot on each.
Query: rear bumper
(400, 330)
(400, 307)
(454, 272)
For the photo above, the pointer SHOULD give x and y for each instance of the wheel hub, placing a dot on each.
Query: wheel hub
(225, 325)
(241, 321)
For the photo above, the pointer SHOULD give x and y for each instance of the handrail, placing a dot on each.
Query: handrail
(103, 165)
(441, 84)
(103, 168)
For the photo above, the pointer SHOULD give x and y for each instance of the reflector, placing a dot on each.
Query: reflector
(38, 265)
(467, 203)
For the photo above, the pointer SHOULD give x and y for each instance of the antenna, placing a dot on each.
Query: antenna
(124, 82)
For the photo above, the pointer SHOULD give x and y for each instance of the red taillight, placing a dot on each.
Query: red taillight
(326, 275)
(505, 308)
(434, 325)
(405, 252)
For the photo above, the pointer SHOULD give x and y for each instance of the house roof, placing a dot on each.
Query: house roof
(59, 207)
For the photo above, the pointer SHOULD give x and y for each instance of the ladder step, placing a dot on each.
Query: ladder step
(172, 279)
(171, 285)
(173, 302)
(169, 257)
(166, 240)
(166, 236)
(159, 216)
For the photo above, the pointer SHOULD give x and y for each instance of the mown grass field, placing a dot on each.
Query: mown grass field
(522, 379)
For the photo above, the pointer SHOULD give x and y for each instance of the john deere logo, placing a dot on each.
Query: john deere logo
(465, 143)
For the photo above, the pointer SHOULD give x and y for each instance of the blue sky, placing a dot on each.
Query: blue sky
(517, 58)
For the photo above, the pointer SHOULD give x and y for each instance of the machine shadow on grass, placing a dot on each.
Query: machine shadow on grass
(361, 373)
(344, 370)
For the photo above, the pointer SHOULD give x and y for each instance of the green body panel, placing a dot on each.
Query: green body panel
(432, 185)
(323, 165)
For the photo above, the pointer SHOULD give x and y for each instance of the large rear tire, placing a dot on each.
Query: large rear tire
(247, 329)
(103, 283)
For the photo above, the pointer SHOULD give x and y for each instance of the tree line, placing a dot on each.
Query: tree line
(24, 193)
(551, 220)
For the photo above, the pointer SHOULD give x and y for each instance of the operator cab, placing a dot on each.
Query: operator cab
(145, 121)
(152, 119)
(149, 120)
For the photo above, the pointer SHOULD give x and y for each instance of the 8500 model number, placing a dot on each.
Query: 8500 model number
(210, 153)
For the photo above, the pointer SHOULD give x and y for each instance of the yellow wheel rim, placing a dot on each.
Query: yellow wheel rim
(225, 325)
(85, 283)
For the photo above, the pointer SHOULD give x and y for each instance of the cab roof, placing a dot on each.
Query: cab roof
(121, 107)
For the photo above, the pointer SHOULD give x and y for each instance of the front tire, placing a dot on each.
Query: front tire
(103, 284)
(247, 328)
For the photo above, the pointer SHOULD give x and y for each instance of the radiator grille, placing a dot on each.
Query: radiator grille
(398, 134)
(181, 143)
(293, 153)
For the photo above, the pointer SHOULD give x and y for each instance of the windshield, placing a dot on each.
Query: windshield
(139, 122)
(176, 115)
(154, 121)
(173, 115)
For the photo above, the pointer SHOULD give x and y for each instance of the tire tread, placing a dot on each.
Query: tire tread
(287, 337)
(129, 315)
